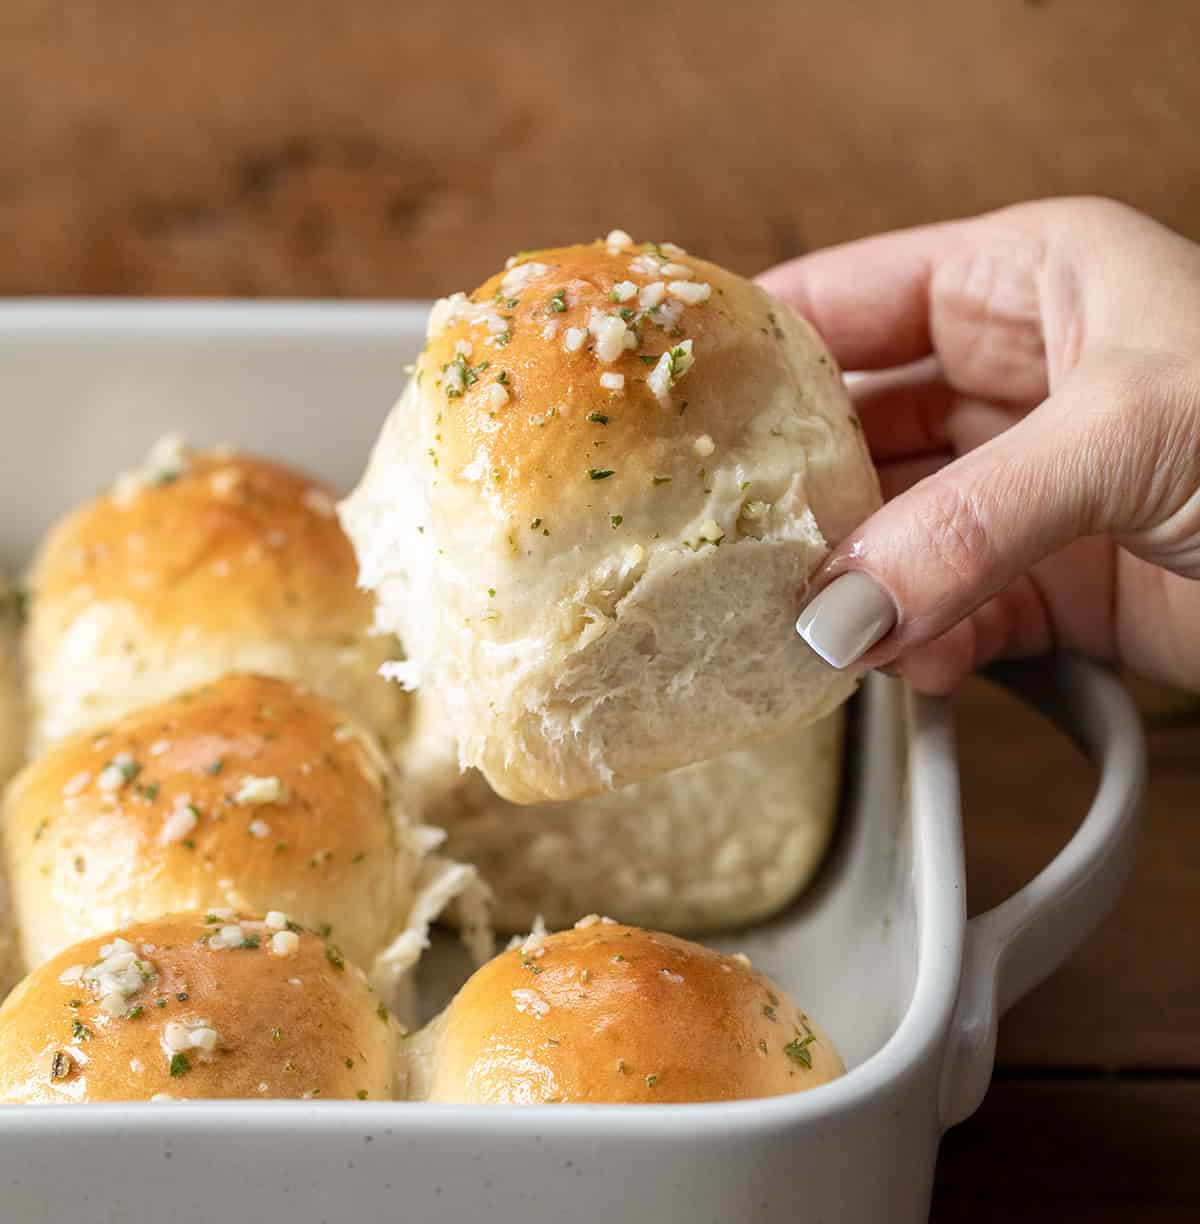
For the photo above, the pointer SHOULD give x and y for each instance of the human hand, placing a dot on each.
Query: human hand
(1043, 469)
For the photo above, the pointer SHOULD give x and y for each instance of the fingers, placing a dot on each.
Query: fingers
(942, 549)
(967, 291)
(903, 412)
(1014, 624)
(868, 299)
(914, 412)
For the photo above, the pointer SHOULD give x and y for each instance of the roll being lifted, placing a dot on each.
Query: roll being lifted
(595, 510)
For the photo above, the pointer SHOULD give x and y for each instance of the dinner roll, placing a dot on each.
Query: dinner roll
(201, 563)
(708, 847)
(198, 1007)
(595, 511)
(609, 1013)
(250, 793)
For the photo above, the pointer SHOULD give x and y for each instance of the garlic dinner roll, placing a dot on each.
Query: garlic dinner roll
(250, 793)
(609, 1013)
(201, 563)
(594, 512)
(196, 1006)
(711, 846)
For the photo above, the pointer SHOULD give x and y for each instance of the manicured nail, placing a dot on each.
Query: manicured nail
(847, 618)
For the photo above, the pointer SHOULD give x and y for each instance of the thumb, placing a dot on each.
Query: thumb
(1079, 465)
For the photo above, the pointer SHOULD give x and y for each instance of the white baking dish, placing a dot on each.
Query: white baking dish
(880, 949)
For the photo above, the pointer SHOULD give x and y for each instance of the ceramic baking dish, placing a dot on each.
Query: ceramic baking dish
(881, 949)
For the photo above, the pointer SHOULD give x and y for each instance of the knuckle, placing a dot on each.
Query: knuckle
(958, 539)
(1097, 209)
(987, 320)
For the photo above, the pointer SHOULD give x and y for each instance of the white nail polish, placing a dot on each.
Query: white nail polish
(847, 618)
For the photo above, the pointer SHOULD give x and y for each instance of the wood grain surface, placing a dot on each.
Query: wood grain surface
(382, 149)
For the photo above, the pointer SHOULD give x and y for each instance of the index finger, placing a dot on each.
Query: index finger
(870, 299)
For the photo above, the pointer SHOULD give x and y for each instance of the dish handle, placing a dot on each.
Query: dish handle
(1013, 947)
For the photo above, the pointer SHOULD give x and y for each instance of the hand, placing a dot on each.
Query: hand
(1043, 468)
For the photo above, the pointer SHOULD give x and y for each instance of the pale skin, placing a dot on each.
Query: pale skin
(1042, 470)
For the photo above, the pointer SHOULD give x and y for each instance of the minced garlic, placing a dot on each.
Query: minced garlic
(254, 790)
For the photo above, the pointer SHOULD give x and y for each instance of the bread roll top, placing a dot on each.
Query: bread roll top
(161, 537)
(611, 1013)
(250, 793)
(196, 1006)
(534, 416)
(198, 563)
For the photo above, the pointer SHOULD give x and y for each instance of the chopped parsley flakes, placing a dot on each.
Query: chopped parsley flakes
(798, 1052)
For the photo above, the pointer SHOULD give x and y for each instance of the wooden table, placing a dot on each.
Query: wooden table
(382, 149)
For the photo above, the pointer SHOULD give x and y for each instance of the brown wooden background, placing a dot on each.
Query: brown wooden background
(380, 149)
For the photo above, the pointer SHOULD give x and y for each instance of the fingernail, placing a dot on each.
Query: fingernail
(847, 618)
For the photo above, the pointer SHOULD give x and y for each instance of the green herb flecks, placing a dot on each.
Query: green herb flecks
(798, 1052)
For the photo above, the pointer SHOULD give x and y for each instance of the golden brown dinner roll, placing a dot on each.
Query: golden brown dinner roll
(250, 793)
(201, 563)
(707, 847)
(609, 1013)
(196, 1006)
(594, 512)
